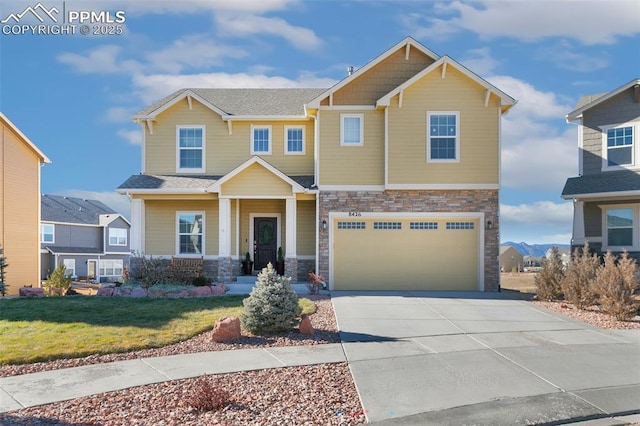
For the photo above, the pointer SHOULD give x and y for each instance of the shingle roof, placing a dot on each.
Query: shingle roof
(56, 208)
(187, 182)
(265, 102)
(619, 181)
(74, 250)
(584, 100)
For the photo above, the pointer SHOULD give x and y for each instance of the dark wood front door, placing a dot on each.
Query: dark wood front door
(265, 241)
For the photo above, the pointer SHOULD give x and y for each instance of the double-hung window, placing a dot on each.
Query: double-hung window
(117, 237)
(69, 267)
(261, 140)
(190, 238)
(294, 140)
(47, 233)
(111, 267)
(351, 129)
(190, 149)
(443, 137)
(620, 227)
(618, 146)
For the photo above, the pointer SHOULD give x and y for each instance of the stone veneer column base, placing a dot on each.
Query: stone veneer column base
(225, 269)
(291, 268)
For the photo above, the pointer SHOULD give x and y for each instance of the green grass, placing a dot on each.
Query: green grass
(44, 329)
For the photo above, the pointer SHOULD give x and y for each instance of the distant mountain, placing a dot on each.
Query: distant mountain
(537, 250)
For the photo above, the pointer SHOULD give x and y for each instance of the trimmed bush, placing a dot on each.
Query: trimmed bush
(272, 305)
(207, 397)
(616, 284)
(148, 271)
(548, 280)
(3, 266)
(577, 285)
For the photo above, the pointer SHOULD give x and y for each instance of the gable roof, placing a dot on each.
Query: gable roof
(239, 103)
(588, 102)
(43, 158)
(406, 42)
(507, 101)
(57, 208)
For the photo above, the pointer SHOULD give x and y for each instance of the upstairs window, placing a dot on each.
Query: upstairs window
(443, 137)
(47, 233)
(191, 146)
(293, 139)
(261, 140)
(619, 147)
(620, 227)
(117, 237)
(351, 129)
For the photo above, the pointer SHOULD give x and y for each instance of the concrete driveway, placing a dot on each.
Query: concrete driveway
(484, 358)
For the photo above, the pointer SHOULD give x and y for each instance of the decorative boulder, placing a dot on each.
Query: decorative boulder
(138, 292)
(305, 325)
(227, 329)
(177, 295)
(31, 292)
(202, 291)
(105, 291)
(218, 289)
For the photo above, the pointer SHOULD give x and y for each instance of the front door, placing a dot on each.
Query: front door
(265, 241)
(91, 269)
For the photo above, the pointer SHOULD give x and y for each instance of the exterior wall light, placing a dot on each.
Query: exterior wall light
(324, 225)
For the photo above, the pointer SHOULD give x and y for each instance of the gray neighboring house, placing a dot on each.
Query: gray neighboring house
(606, 194)
(91, 239)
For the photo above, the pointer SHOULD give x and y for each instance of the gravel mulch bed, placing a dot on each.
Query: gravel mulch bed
(592, 316)
(307, 395)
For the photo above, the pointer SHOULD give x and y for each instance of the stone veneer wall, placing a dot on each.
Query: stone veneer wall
(464, 201)
(304, 266)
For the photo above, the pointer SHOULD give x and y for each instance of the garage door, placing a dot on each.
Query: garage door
(405, 254)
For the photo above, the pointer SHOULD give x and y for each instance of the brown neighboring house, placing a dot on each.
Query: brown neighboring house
(20, 162)
(510, 259)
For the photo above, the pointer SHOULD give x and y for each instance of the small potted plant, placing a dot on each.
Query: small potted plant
(247, 264)
(280, 262)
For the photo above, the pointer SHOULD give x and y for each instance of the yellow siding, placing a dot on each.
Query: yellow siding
(160, 225)
(19, 226)
(256, 180)
(479, 129)
(306, 228)
(352, 165)
(224, 152)
(382, 78)
(248, 207)
(208, 196)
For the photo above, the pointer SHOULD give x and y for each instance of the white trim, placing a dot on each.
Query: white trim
(342, 118)
(172, 191)
(347, 108)
(255, 127)
(577, 113)
(266, 118)
(26, 140)
(635, 159)
(278, 218)
(216, 186)
(237, 207)
(635, 228)
(203, 167)
(386, 146)
(442, 186)
(580, 149)
(224, 227)
(177, 233)
(53, 241)
(480, 216)
(143, 147)
(428, 141)
(316, 151)
(286, 140)
(306, 257)
(73, 224)
(291, 208)
(180, 96)
(377, 188)
(578, 235)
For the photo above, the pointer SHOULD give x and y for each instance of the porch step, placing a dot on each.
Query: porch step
(245, 288)
(246, 279)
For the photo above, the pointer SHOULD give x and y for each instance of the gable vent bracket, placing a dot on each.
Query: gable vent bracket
(636, 93)
(189, 102)
(487, 95)
(230, 127)
(444, 70)
(331, 100)
(406, 52)
(150, 126)
(400, 99)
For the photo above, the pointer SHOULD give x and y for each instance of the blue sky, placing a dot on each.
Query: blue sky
(73, 95)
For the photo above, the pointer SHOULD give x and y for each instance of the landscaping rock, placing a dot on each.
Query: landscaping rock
(218, 289)
(203, 291)
(138, 292)
(177, 295)
(155, 293)
(105, 291)
(305, 325)
(31, 292)
(227, 329)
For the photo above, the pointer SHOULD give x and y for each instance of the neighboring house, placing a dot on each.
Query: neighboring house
(606, 194)
(88, 237)
(510, 259)
(531, 263)
(565, 255)
(387, 180)
(20, 162)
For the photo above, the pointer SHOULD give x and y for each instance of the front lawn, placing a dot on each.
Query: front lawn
(44, 329)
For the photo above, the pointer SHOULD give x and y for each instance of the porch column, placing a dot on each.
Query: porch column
(578, 223)
(291, 258)
(137, 226)
(224, 240)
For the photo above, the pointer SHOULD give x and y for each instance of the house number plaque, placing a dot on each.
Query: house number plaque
(355, 213)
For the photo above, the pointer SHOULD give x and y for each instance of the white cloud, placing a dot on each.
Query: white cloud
(531, 102)
(134, 137)
(119, 203)
(545, 213)
(590, 22)
(564, 55)
(242, 25)
(480, 61)
(102, 60)
(118, 114)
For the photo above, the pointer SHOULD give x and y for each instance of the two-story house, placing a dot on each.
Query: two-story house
(20, 163)
(387, 180)
(89, 238)
(606, 194)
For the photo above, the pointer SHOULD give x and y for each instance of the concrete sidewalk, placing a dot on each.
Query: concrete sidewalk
(482, 358)
(29, 390)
